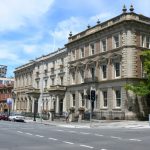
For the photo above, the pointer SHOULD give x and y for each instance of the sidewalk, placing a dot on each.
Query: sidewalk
(94, 123)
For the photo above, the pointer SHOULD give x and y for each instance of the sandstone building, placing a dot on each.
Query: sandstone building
(104, 57)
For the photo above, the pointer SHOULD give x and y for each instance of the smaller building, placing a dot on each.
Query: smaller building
(6, 89)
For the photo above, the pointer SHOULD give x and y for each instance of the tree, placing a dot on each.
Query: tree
(142, 88)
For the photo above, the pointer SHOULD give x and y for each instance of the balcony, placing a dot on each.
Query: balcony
(57, 88)
(88, 80)
(33, 92)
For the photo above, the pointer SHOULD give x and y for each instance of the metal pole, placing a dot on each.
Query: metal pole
(91, 110)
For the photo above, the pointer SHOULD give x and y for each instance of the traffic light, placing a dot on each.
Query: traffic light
(93, 95)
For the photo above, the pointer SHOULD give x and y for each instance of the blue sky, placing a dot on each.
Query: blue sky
(31, 28)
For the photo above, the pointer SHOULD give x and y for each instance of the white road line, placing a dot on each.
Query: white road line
(39, 136)
(103, 149)
(87, 146)
(29, 134)
(67, 142)
(84, 133)
(72, 131)
(53, 139)
(98, 135)
(60, 130)
(19, 132)
(135, 140)
(115, 137)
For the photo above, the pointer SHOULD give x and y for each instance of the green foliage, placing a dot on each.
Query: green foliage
(143, 87)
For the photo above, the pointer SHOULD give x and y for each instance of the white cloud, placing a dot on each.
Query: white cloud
(16, 13)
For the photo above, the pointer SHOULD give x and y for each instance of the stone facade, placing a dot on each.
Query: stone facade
(41, 83)
(102, 58)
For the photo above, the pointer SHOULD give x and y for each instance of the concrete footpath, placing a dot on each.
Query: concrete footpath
(94, 123)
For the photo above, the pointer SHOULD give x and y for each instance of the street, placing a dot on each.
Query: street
(33, 136)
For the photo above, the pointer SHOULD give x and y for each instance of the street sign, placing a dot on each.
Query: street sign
(9, 101)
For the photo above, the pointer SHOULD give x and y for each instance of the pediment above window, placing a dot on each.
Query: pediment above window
(115, 57)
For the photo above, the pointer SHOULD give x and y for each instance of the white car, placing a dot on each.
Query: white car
(16, 117)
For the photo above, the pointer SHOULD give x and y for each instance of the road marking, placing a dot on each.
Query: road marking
(84, 133)
(138, 140)
(29, 134)
(19, 132)
(115, 137)
(67, 142)
(72, 131)
(39, 136)
(87, 146)
(98, 135)
(103, 149)
(60, 130)
(53, 139)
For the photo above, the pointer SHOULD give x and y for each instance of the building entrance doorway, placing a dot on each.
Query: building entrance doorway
(61, 107)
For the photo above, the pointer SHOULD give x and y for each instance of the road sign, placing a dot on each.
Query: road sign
(9, 101)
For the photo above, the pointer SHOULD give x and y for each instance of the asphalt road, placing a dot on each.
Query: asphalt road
(33, 136)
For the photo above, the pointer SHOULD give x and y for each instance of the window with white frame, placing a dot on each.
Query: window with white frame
(105, 104)
(73, 99)
(104, 71)
(103, 45)
(117, 69)
(118, 98)
(92, 49)
(81, 52)
(73, 55)
(82, 76)
(116, 41)
(147, 41)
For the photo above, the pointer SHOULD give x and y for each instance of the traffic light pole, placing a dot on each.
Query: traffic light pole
(91, 111)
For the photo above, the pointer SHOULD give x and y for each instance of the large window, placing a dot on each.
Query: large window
(37, 84)
(116, 41)
(117, 69)
(82, 52)
(82, 76)
(73, 55)
(61, 80)
(104, 71)
(93, 73)
(53, 81)
(103, 45)
(105, 98)
(147, 41)
(82, 99)
(118, 98)
(45, 84)
(92, 49)
(73, 99)
(73, 78)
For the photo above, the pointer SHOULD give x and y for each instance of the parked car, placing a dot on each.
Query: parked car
(3, 116)
(16, 117)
